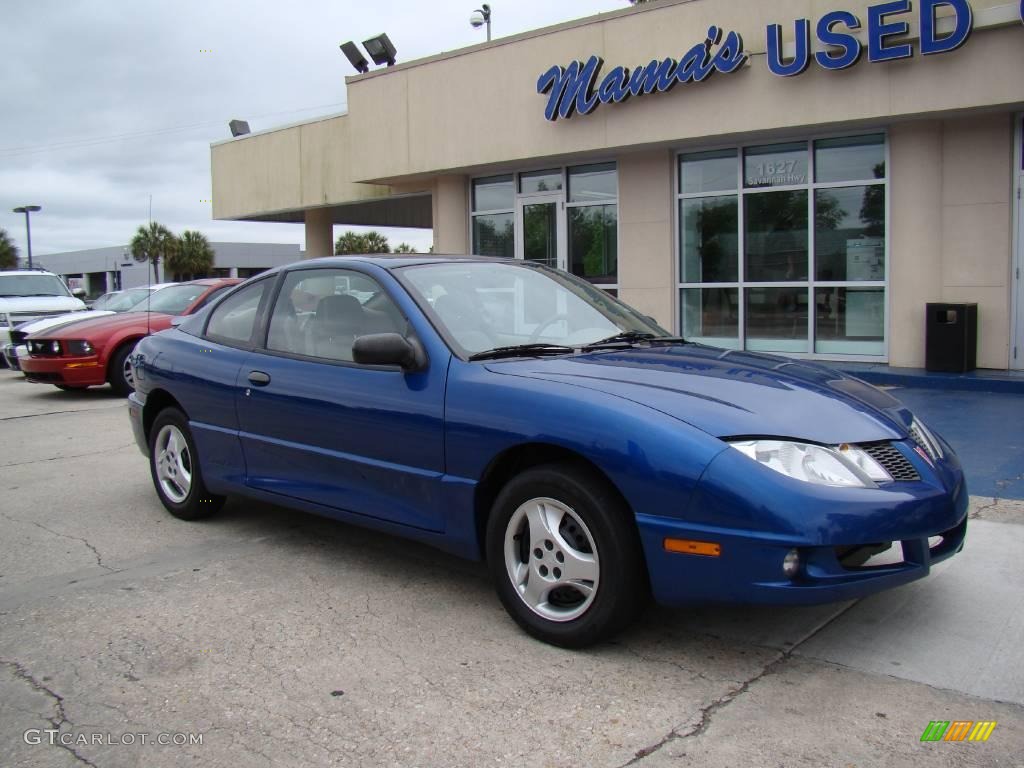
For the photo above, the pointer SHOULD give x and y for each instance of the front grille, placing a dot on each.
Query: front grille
(44, 377)
(17, 318)
(892, 461)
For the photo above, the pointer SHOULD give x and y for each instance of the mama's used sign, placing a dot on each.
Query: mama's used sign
(580, 87)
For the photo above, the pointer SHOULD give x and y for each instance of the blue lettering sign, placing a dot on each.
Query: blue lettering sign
(575, 89)
(570, 88)
(930, 43)
(1022, 11)
(802, 57)
(879, 30)
(846, 49)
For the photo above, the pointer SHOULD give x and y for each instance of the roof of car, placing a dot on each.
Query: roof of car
(25, 272)
(398, 260)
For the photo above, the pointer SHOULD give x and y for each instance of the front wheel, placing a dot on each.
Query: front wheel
(119, 374)
(565, 556)
(174, 465)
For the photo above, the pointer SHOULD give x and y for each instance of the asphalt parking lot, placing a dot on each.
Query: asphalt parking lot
(285, 639)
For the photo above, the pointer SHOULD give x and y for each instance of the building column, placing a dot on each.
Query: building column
(232, 271)
(915, 250)
(451, 215)
(646, 248)
(319, 233)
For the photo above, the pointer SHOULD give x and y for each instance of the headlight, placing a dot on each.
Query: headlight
(923, 437)
(844, 466)
(80, 347)
(55, 347)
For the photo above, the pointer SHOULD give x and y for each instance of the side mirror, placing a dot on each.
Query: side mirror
(389, 349)
(78, 292)
(178, 320)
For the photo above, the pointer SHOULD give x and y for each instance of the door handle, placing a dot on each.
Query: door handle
(259, 378)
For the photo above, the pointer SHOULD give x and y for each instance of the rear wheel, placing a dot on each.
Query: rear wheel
(174, 465)
(565, 556)
(119, 372)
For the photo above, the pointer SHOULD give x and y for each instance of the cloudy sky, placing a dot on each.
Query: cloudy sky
(106, 102)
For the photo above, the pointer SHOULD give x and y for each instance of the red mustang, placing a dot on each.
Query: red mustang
(92, 352)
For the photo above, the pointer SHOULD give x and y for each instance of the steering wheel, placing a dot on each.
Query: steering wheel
(544, 324)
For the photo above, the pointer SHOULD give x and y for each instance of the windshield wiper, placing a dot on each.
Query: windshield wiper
(522, 350)
(633, 337)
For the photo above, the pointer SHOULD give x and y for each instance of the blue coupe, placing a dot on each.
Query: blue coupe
(503, 410)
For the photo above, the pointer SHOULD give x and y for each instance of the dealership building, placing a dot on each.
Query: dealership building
(793, 177)
(98, 270)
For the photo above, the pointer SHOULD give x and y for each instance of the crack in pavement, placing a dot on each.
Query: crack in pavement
(72, 456)
(58, 413)
(95, 552)
(706, 713)
(60, 717)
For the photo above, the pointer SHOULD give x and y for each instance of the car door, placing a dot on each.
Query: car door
(318, 427)
(205, 368)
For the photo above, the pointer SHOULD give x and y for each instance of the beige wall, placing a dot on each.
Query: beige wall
(951, 230)
(646, 234)
(290, 169)
(481, 107)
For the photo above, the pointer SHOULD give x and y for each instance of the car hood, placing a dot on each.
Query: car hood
(156, 321)
(28, 304)
(70, 317)
(732, 394)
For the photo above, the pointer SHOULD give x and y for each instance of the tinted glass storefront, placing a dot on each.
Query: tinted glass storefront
(564, 217)
(782, 247)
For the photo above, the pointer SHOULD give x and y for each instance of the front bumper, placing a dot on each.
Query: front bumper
(756, 520)
(69, 371)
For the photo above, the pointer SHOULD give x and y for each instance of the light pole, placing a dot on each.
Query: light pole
(481, 16)
(28, 209)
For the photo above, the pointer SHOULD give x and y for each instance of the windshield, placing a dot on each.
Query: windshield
(125, 300)
(32, 285)
(485, 305)
(173, 300)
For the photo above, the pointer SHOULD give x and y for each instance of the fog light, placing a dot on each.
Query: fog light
(791, 564)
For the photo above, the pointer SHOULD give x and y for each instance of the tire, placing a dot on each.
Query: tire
(555, 520)
(175, 469)
(119, 371)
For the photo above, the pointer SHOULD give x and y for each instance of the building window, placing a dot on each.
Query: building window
(594, 223)
(494, 200)
(567, 218)
(782, 247)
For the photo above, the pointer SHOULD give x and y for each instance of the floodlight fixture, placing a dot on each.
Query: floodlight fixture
(355, 57)
(238, 127)
(381, 49)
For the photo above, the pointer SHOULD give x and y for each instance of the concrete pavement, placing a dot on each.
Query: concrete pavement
(286, 639)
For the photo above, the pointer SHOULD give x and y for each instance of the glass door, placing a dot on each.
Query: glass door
(540, 225)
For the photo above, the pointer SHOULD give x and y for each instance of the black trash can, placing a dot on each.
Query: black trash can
(951, 337)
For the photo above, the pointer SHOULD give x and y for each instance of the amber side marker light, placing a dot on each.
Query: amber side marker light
(687, 547)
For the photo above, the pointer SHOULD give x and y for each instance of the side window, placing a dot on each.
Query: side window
(321, 312)
(210, 297)
(235, 318)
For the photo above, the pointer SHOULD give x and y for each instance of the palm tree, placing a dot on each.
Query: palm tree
(153, 243)
(404, 248)
(353, 242)
(8, 251)
(193, 256)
